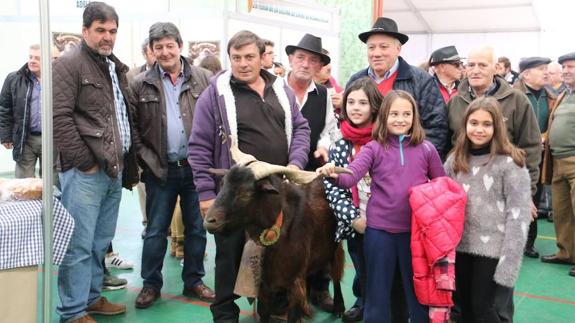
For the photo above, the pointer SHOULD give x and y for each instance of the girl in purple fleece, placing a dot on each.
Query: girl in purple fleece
(397, 159)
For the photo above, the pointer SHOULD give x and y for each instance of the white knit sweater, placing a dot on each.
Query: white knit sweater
(497, 214)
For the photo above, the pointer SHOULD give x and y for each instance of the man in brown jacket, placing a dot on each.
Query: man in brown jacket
(92, 131)
(559, 167)
(522, 129)
(166, 96)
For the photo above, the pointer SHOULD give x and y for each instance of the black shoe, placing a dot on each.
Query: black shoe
(550, 217)
(322, 300)
(572, 272)
(552, 259)
(354, 314)
(531, 252)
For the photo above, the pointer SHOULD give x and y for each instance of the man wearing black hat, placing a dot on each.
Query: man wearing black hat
(306, 59)
(390, 71)
(560, 161)
(533, 79)
(447, 66)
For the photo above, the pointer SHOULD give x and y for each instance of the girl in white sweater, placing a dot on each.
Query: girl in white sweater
(492, 172)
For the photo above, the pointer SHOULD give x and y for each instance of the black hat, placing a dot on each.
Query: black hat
(385, 26)
(566, 57)
(531, 62)
(312, 44)
(444, 55)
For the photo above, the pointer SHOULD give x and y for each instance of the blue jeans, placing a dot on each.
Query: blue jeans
(93, 201)
(161, 199)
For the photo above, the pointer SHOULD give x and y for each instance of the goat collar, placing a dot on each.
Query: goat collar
(270, 236)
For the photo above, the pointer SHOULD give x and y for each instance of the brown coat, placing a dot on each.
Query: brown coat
(520, 120)
(85, 126)
(151, 135)
(547, 168)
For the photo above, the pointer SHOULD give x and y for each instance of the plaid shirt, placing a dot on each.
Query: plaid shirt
(121, 110)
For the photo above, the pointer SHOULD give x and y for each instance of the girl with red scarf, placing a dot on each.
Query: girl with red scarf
(360, 104)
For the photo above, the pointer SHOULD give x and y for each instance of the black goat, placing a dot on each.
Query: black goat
(305, 239)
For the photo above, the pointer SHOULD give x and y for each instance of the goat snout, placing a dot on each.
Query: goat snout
(213, 222)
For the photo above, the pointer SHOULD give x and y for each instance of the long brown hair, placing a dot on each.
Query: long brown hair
(368, 87)
(500, 144)
(380, 133)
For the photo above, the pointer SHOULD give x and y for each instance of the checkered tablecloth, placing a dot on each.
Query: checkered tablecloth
(21, 233)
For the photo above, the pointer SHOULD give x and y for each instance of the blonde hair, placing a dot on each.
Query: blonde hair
(500, 144)
(380, 133)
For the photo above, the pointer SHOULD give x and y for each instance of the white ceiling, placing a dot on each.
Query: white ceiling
(463, 16)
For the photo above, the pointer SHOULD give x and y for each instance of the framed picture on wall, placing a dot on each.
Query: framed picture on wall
(197, 50)
(65, 41)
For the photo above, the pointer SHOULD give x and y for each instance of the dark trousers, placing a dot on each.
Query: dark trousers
(399, 312)
(161, 200)
(229, 248)
(355, 249)
(476, 288)
(532, 234)
(385, 253)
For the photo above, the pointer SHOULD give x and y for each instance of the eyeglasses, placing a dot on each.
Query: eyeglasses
(456, 64)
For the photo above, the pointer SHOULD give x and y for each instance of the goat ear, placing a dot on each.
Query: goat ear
(266, 186)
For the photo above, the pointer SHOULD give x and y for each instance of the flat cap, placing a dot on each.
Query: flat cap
(566, 57)
(531, 62)
(444, 55)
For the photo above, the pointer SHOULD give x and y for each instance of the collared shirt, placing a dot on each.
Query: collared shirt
(35, 105)
(330, 132)
(121, 109)
(177, 138)
(387, 74)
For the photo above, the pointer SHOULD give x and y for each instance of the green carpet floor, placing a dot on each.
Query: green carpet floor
(544, 292)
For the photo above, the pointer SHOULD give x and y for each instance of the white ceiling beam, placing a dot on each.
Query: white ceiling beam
(419, 16)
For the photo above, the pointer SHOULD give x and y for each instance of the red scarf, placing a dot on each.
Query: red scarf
(358, 137)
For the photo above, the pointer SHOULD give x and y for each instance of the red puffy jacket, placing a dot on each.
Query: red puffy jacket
(436, 228)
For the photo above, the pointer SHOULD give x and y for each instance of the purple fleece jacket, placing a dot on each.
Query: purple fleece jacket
(209, 146)
(394, 170)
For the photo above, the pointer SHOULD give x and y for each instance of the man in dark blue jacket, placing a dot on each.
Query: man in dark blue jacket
(20, 115)
(389, 71)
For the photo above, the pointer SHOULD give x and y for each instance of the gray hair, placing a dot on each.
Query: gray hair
(35, 46)
(162, 30)
(145, 45)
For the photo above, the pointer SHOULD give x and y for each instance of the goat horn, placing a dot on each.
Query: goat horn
(238, 156)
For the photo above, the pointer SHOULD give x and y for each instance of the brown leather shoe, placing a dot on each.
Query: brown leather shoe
(322, 300)
(84, 319)
(103, 307)
(200, 291)
(553, 259)
(147, 297)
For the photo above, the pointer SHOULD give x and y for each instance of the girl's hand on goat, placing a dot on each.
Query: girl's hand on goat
(327, 170)
(359, 224)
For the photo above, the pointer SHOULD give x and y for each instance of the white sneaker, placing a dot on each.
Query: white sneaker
(114, 261)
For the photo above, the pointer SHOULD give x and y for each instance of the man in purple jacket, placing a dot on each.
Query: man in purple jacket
(259, 110)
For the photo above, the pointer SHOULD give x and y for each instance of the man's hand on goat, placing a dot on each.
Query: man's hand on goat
(204, 206)
(327, 170)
